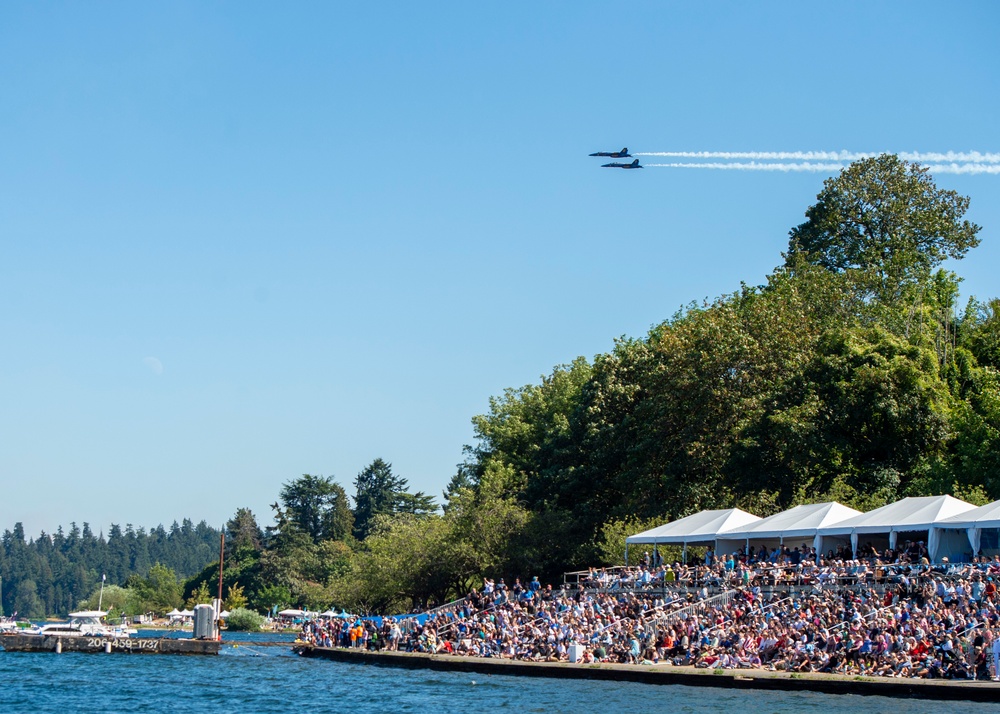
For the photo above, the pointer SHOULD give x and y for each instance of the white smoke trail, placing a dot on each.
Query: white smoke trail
(952, 156)
(964, 169)
(752, 166)
(953, 168)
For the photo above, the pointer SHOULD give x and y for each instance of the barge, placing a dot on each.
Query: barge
(29, 642)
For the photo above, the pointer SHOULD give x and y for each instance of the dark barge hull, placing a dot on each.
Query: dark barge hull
(17, 642)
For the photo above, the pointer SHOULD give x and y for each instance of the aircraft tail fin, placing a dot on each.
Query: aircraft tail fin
(625, 151)
(636, 162)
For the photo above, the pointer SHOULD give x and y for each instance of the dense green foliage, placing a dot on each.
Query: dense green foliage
(51, 574)
(243, 620)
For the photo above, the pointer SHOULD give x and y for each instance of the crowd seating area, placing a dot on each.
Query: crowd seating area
(872, 617)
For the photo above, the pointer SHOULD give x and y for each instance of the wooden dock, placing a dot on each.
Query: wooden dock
(20, 642)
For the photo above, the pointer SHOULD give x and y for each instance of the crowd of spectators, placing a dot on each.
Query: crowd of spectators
(884, 615)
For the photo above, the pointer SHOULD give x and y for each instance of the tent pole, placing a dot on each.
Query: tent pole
(626, 553)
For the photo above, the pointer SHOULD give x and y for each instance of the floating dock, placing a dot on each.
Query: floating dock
(20, 642)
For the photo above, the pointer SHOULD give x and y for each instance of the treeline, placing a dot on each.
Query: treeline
(52, 574)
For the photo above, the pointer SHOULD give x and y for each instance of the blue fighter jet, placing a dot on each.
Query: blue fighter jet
(623, 154)
(616, 165)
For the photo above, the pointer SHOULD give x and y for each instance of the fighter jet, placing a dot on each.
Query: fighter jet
(614, 154)
(616, 165)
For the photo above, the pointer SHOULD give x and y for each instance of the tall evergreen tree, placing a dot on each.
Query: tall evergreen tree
(318, 506)
(376, 493)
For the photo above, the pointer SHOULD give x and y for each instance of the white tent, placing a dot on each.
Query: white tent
(799, 522)
(953, 532)
(702, 527)
(906, 515)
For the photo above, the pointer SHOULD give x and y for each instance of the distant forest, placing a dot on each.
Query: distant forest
(54, 573)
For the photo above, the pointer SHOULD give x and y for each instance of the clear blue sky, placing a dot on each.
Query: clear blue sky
(244, 241)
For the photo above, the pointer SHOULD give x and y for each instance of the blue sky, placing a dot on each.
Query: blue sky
(241, 242)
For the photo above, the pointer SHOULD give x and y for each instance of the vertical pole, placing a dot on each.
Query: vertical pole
(222, 555)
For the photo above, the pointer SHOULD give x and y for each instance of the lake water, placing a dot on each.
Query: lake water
(251, 679)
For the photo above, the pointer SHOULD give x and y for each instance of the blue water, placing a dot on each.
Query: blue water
(248, 679)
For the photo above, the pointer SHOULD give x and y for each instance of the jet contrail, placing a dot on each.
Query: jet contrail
(953, 168)
(752, 166)
(964, 169)
(974, 157)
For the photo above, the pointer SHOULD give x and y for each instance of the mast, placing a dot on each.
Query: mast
(222, 555)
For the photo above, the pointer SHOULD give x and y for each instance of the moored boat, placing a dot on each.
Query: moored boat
(86, 623)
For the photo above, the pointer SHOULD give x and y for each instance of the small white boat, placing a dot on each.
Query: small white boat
(8, 625)
(87, 623)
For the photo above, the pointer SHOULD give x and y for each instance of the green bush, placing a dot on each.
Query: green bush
(244, 620)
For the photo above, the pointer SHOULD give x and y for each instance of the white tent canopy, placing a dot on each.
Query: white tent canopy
(798, 522)
(987, 516)
(969, 524)
(701, 527)
(908, 514)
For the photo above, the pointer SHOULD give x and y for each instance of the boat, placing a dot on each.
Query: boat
(8, 624)
(86, 623)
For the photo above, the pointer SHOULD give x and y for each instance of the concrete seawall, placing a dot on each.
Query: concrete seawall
(666, 674)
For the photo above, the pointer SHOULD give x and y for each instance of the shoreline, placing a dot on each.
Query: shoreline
(749, 679)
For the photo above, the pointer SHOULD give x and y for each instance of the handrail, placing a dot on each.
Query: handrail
(683, 612)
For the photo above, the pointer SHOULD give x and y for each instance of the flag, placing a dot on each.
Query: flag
(103, 577)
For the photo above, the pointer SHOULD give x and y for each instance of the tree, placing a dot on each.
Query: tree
(160, 590)
(318, 506)
(243, 620)
(235, 598)
(886, 222)
(417, 504)
(242, 532)
(200, 596)
(376, 493)
(114, 598)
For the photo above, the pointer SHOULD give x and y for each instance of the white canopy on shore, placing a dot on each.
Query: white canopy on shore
(799, 522)
(906, 515)
(953, 532)
(699, 528)
(987, 516)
